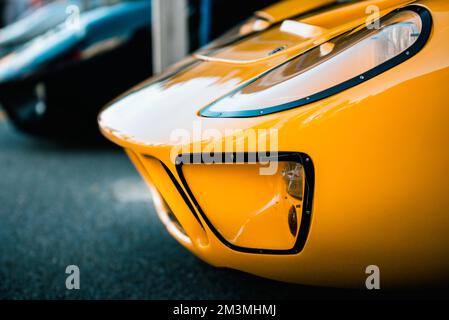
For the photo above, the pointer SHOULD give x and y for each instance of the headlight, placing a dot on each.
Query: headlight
(262, 214)
(293, 174)
(339, 64)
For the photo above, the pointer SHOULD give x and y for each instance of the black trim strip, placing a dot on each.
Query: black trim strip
(306, 216)
(407, 54)
(182, 193)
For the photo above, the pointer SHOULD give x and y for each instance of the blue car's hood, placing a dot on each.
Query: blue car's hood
(34, 24)
(119, 20)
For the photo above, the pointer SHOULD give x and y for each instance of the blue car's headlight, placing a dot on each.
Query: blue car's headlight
(332, 67)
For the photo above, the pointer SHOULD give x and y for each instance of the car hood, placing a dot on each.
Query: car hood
(116, 21)
(34, 24)
(154, 111)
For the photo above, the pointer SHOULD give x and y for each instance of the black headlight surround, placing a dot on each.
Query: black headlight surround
(232, 157)
(426, 19)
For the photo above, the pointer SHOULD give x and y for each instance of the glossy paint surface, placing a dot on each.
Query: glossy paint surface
(380, 151)
(289, 8)
(100, 29)
(327, 67)
(34, 24)
(260, 205)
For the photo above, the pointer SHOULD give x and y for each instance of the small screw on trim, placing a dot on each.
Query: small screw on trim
(278, 49)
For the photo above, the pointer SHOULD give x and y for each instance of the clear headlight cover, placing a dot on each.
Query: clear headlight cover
(334, 66)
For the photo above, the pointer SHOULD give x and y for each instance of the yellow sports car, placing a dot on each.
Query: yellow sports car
(310, 144)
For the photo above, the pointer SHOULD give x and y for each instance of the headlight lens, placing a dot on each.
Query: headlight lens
(334, 66)
(293, 174)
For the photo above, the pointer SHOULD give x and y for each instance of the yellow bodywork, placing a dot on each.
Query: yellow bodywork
(380, 153)
(242, 214)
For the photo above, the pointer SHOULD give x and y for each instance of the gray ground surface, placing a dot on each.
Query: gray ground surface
(64, 205)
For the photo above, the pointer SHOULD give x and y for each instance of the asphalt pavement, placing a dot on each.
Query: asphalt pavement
(66, 205)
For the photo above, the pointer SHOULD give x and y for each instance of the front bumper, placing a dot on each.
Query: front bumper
(203, 239)
(379, 151)
(379, 194)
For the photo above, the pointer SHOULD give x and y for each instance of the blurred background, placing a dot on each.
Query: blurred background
(66, 195)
